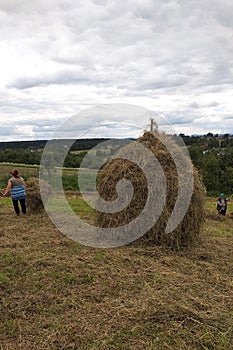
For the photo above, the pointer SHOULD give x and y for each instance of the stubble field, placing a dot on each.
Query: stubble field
(57, 294)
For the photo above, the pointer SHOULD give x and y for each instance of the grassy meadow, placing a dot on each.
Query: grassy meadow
(69, 175)
(59, 295)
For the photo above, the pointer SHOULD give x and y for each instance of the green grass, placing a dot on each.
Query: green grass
(69, 176)
(3, 278)
(25, 170)
(18, 165)
(78, 205)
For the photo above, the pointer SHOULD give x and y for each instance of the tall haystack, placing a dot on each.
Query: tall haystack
(34, 187)
(189, 227)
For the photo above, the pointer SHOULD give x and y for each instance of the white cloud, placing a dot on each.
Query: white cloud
(60, 57)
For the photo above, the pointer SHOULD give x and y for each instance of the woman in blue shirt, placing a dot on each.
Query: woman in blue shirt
(16, 186)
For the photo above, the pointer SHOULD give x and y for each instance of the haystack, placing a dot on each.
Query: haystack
(34, 189)
(190, 227)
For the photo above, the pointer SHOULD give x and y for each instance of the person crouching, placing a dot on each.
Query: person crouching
(222, 204)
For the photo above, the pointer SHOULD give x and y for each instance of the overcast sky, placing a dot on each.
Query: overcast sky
(60, 57)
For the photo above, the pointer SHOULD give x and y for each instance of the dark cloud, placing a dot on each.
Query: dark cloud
(230, 117)
(64, 77)
(194, 105)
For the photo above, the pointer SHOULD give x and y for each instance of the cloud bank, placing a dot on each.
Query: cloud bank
(60, 57)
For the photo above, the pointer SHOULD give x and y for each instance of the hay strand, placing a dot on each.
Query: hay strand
(34, 188)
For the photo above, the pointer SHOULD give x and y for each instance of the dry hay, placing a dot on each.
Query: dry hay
(213, 215)
(189, 230)
(34, 188)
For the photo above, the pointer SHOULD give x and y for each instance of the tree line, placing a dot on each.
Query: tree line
(37, 145)
(211, 154)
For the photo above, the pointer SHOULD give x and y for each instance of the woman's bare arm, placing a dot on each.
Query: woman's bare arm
(8, 188)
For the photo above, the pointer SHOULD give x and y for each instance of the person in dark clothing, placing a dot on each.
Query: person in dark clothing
(222, 204)
(16, 186)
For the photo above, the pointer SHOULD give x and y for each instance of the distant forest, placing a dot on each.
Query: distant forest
(211, 154)
(80, 144)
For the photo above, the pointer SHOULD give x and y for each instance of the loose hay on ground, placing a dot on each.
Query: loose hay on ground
(213, 215)
(189, 230)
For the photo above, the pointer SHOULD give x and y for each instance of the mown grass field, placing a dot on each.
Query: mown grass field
(69, 175)
(57, 294)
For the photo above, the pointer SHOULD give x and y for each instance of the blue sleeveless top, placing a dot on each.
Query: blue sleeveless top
(17, 188)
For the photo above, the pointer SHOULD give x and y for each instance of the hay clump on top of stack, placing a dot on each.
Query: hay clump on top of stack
(189, 228)
(34, 188)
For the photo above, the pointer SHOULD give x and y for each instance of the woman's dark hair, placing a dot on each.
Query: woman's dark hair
(15, 173)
